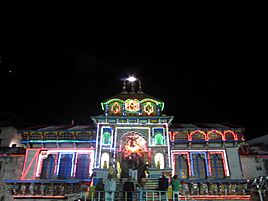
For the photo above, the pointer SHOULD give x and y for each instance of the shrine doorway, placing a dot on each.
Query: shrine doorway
(133, 153)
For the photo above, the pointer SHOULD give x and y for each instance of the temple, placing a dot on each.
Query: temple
(62, 160)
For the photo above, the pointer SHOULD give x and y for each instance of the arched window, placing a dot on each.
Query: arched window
(197, 135)
(106, 138)
(159, 139)
(105, 158)
(66, 164)
(230, 135)
(159, 161)
(215, 135)
(82, 166)
(48, 167)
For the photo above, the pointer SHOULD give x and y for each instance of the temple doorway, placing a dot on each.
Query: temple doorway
(135, 162)
(133, 154)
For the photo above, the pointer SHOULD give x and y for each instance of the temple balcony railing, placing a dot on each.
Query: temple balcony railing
(57, 189)
(191, 189)
(156, 195)
(58, 135)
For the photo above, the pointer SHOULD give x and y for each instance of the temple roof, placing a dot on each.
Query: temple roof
(132, 95)
(130, 90)
(201, 126)
(173, 126)
(67, 127)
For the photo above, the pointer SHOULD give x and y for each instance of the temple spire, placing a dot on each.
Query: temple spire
(140, 90)
(132, 80)
(124, 91)
(132, 89)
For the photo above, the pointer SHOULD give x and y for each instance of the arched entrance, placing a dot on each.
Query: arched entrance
(133, 153)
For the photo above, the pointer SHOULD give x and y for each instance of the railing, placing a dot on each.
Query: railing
(141, 195)
(189, 191)
(155, 195)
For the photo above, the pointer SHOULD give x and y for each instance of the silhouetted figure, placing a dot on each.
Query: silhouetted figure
(128, 189)
(99, 189)
(163, 185)
(141, 190)
(141, 169)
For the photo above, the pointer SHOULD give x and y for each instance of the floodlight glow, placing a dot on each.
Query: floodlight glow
(131, 79)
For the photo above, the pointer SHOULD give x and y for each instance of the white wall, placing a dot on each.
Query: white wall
(9, 136)
(10, 168)
(249, 166)
(234, 163)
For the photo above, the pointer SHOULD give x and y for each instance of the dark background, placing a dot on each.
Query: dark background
(206, 62)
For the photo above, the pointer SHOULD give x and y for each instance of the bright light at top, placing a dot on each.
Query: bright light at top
(131, 79)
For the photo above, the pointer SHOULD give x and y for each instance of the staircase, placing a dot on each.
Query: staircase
(150, 186)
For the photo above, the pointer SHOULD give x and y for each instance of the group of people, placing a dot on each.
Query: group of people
(105, 191)
(134, 167)
(163, 184)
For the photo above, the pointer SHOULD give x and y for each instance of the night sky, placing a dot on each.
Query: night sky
(207, 65)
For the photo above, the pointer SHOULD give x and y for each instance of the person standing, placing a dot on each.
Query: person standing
(176, 186)
(100, 190)
(163, 186)
(109, 188)
(131, 164)
(119, 189)
(128, 189)
(136, 169)
(111, 169)
(141, 190)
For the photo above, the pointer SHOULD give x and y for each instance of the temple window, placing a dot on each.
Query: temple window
(148, 108)
(180, 135)
(106, 138)
(216, 164)
(48, 166)
(229, 135)
(82, 166)
(115, 108)
(181, 167)
(66, 136)
(83, 135)
(197, 135)
(159, 139)
(215, 135)
(36, 136)
(50, 136)
(198, 165)
(25, 136)
(159, 161)
(65, 166)
(105, 160)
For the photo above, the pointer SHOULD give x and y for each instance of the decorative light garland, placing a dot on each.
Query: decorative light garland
(206, 135)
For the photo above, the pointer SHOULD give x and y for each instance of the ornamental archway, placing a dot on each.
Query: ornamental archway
(133, 150)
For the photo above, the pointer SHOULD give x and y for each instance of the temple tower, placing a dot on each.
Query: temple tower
(132, 128)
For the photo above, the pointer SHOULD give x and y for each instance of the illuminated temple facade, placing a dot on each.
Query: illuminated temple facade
(62, 160)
